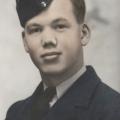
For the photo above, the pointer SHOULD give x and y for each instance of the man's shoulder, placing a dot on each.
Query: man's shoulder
(18, 108)
(100, 89)
(105, 103)
(107, 91)
(107, 96)
(102, 94)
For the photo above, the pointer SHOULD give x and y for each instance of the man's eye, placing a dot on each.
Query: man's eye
(60, 27)
(34, 30)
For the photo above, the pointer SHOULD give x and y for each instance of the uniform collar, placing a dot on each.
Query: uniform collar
(64, 86)
(79, 95)
(81, 92)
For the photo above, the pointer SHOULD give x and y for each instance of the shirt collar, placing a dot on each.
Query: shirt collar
(64, 86)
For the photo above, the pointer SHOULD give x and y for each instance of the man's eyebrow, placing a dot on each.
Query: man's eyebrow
(53, 22)
(59, 20)
(33, 25)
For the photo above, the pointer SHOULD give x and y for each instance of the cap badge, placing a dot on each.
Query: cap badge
(43, 4)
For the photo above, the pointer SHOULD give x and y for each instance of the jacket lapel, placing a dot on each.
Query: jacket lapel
(76, 100)
(31, 104)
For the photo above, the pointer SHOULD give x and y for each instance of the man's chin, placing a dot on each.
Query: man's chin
(50, 71)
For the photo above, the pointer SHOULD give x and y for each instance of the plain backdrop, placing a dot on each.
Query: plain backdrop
(18, 75)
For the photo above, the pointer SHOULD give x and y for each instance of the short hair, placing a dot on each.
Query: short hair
(79, 9)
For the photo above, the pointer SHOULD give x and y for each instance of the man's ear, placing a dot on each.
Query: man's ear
(25, 42)
(85, 34)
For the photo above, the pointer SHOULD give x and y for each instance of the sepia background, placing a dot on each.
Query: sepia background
(19, 77)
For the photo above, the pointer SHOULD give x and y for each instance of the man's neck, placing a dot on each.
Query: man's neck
(55, 79)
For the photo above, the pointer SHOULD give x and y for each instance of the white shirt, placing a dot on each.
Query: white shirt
(64, 86)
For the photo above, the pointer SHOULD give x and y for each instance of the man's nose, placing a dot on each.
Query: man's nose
(48, 39)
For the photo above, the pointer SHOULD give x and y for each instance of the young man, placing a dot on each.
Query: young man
(54, 35)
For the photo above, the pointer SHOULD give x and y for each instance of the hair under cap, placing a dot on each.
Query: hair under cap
(27, 9)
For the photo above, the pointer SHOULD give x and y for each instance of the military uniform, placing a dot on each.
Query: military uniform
(87, 99)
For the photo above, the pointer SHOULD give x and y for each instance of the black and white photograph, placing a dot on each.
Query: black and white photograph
(59, 60)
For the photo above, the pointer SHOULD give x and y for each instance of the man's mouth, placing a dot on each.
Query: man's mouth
(50, 55)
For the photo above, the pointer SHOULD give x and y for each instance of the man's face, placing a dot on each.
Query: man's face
(54, 39)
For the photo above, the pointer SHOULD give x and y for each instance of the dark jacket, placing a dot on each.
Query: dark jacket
(87, 99)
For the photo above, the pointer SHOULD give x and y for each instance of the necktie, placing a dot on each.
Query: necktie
(41, 105)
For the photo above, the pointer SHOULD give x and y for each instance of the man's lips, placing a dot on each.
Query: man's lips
(50, 54)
